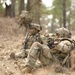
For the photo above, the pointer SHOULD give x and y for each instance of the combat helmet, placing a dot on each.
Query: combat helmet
(25, 18)
(63, 32)
(36, 26)
(23, 14)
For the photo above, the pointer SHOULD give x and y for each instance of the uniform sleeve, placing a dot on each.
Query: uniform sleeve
(43, 39)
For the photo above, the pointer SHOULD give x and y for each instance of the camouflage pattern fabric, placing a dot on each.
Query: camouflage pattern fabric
(25, 19)
(38, 51)
(36, 26)
(30, 40)
(63, 33)
(46, 55)
(64, 46)
(72, 59)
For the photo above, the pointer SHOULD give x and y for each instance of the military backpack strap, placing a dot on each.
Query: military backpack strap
(71, 41)
(63, 39)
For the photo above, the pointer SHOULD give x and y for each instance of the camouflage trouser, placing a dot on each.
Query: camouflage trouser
(41, 52)
(22, 53)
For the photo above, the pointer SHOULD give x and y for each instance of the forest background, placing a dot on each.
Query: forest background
(60, 13)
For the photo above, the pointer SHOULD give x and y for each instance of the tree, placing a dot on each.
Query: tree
(13, 8)
(28, 6)
(33, 6)
(1, 9)
(21, 6)
(52, 24)
(59, 8)
(64, 13)
(7, 10)
(72, 15)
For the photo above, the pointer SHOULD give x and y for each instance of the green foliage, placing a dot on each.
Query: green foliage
(45, 10)
(57, 10)
(1, 9)
(17, 7)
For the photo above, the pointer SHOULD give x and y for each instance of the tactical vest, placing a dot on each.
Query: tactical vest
(32, 39)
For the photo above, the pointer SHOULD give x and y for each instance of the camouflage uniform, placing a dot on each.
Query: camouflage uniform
(47, 55)
(63, 33)
(25, 20)
(30, 39)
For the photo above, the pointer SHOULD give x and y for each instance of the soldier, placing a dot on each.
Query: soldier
(33, 36)
(25, 19)
(63, 33)
(32, 33)
(47, 54)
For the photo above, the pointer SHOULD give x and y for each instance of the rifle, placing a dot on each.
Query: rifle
(25, 41)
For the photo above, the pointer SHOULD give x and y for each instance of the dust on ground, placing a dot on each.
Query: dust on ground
(11, 38)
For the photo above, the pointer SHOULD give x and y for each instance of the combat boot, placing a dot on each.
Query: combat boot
(12, 55)
(27, 69)
(20, 54)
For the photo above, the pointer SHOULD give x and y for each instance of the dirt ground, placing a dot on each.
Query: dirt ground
(11, 38)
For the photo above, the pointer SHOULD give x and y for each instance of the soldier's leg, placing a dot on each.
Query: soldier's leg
(45, 56)
(20, 54)
(36, 53)
(33, 55)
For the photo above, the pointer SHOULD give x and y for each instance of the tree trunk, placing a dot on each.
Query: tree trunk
(13, 8)
(60, 22)
(7, 10)
(28, 6)
(69, 21)
(64, 13)
(52, 25)
(21, 6)
(33, 6)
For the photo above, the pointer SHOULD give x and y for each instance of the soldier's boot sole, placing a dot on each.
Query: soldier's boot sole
(12, 55)
(27, 70)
